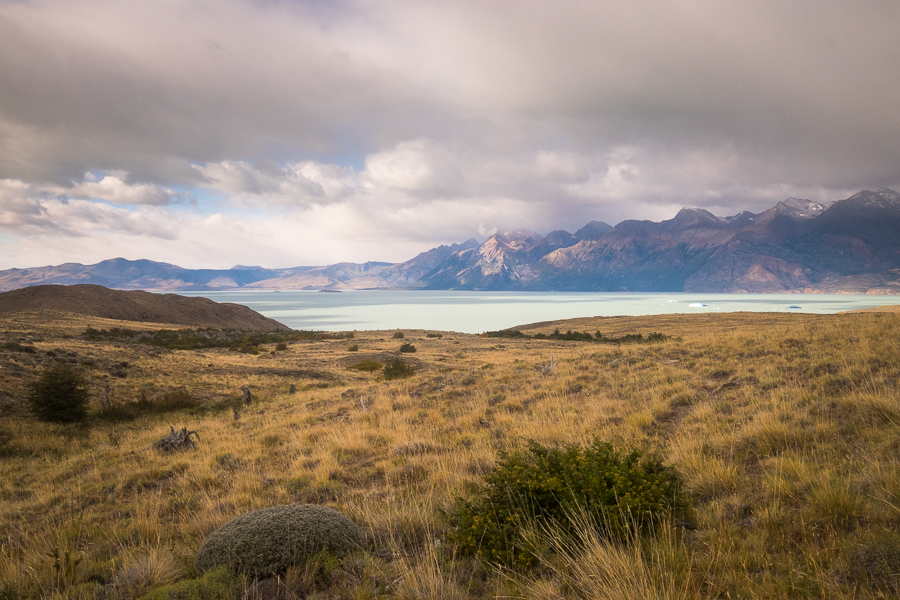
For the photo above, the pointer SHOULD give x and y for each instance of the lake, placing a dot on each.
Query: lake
(476, 312)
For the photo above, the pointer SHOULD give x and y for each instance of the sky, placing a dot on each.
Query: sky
(210, 133)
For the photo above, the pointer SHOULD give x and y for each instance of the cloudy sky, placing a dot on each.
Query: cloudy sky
(304, 132)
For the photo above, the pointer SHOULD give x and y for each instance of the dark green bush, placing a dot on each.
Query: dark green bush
(217, 584)
(407, 348)
(281, 346)
(59, 394)
(397, 369)
(267, 541)
(575, 336)
(625, 492)
(398, 335)
(17, 347)
(353, 348)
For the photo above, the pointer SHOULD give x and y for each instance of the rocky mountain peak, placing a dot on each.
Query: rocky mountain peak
(883, 198)
(519, 239)
(593, 230)
(800, 208)
(694, 218)
(744, 218)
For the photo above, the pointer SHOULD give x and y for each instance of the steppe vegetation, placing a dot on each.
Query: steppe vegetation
(784, 429)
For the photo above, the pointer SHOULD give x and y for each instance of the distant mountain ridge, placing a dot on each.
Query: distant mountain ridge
(849, 246)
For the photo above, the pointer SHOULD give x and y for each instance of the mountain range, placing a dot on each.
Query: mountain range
(849, 246)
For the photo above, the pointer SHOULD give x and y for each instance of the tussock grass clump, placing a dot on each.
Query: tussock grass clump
(623, 491)
(149, 569)
(267, 541)
(595, 569)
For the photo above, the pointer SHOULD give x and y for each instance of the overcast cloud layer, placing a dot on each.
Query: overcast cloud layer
(210, 133)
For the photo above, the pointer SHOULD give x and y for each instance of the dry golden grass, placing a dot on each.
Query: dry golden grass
(784, 427)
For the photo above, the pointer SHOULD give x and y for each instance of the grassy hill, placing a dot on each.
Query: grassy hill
(785, 429)
(140, 306)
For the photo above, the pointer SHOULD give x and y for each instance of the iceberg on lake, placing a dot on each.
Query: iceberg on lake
(697, 305)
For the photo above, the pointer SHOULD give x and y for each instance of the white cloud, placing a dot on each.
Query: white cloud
(115, 188)
(412, 166)
(249, 184)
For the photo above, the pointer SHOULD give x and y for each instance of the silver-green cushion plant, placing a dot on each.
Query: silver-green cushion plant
(269, 540)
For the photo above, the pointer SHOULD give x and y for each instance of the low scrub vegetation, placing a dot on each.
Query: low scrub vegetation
(575, 336)
(397, 369)
(196, 339)
(366, 365)
(155, 403)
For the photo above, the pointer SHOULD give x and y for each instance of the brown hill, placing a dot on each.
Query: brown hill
(98, 301)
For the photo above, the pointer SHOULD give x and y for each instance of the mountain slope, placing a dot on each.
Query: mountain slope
(797, 245)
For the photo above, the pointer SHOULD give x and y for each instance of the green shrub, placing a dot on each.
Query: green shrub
(353, 348)
(281, 346)
(398, 335)
(626, 492)
(59, 394)
(269, 540)
(17, 347)
(397, 369)
(213, 585)
(366, 365)
(407, 348)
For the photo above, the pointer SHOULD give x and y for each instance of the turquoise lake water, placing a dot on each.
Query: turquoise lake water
(476, 312)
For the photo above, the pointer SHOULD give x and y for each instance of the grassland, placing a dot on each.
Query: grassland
(785, 428)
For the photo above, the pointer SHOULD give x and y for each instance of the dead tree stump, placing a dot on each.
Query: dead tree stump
(105, 400)
(176, 441)
(245, 390)
(292, 389)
